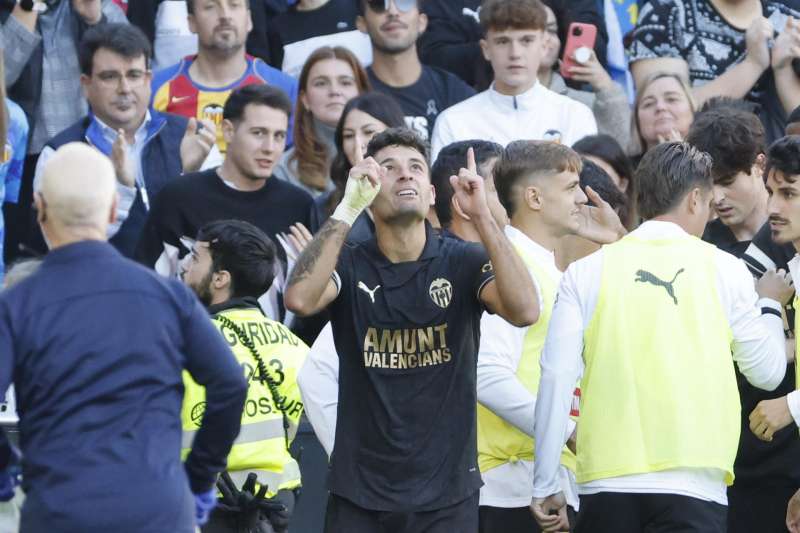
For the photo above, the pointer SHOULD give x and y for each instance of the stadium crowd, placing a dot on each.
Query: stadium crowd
(399, 266)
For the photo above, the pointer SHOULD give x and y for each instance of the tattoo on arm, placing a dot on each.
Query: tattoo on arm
(308, 259)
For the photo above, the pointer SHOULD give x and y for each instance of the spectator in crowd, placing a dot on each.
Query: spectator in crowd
(606, 99)
(724, 49)
(765, 476)
(573, 247)
(663, 111)
(43, 76)
(516, 106)
(148, 148)
(330, 77)
(311, 24)
(198, 86)
(13, 142)
(232, 265)
(451, 158)
(111, 341)
(452, 40)
(165, 22)
(255, 124)
(422, 91)
(606, 152)
(363, 117)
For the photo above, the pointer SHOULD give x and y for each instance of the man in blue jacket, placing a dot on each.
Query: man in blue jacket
(148, 148)
(96, 346)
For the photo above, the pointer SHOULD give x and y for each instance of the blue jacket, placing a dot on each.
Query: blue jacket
(160, 162)
(96, 345)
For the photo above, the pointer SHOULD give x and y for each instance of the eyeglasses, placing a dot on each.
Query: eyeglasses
(111, 78)
(381, 6)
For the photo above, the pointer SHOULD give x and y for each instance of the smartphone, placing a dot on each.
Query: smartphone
(579, 35)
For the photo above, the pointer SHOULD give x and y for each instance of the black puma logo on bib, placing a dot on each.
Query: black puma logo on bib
(644, 276)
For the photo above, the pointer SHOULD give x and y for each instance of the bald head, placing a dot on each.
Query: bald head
(78, 188)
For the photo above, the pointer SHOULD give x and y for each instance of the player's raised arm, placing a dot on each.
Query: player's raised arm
(511, 294)
(311, 288)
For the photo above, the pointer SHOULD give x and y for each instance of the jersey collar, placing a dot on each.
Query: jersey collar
(248, 302)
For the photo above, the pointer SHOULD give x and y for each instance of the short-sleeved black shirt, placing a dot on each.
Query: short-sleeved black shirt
(423, 100)
(407, 336)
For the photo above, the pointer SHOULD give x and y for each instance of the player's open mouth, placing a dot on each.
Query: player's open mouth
(407, 193)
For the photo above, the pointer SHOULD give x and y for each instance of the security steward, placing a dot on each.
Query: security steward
(230, 266)
(654, 323)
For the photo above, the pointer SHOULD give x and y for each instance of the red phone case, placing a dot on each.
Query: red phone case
(578, 35)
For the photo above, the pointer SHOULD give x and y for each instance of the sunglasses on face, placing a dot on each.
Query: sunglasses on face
(381, 6)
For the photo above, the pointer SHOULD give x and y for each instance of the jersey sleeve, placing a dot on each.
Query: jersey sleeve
(478, 270)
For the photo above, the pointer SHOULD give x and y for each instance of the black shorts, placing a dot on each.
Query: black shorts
(620, 512)
(512, 520)
(343, 516)
(758, 508)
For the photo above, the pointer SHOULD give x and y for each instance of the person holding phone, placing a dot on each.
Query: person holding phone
(605, 97)
(517, 105)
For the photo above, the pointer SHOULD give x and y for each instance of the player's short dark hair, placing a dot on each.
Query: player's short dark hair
(399, 137)
(244, 251)
(450, 160)
(592, 175)
(606, 147)
(257, 94)
(784, 156)
(190, 6)
(528, 159)
(501, 15)
(126, 40)
(667, 173)
(732, 137)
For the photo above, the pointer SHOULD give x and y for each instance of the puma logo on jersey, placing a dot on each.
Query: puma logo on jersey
(366, 289)
(644, 276)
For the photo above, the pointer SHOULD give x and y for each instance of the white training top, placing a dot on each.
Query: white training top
(758, 349)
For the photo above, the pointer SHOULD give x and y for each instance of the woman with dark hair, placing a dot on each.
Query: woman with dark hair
(605, 152)
(330, 77)
(363, 117)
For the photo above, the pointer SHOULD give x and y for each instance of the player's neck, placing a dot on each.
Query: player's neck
(537, 231)
(397, 70)
(229, 173)
(464, 230)
(309, 5)
(212, 71)
(750, 226)
(401, 242)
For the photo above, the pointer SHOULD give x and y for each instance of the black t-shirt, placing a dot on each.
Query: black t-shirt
(407, 336)
(758, 462)
(695, 31)
(295, 34)
(422, 101)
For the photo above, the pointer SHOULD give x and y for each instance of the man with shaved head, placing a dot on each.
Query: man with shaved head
(95, 345)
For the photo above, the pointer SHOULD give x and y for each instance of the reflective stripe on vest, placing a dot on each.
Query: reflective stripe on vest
(498, 441)
(289, 478)
(659, 390)
(267, 429)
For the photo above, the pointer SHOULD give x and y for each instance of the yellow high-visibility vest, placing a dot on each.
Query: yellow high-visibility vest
(261, 446)
(658, 390)
(498, 441)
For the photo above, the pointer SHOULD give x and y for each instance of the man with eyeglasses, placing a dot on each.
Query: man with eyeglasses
(141, 142)
(422, 91)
